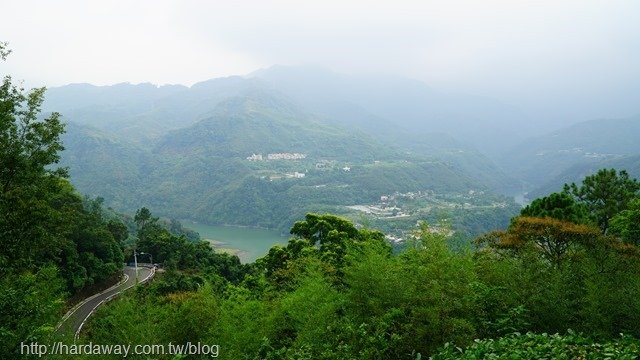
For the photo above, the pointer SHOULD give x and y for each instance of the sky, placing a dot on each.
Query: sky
(559, 60)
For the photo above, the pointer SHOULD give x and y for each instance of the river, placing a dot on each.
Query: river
(248, 243)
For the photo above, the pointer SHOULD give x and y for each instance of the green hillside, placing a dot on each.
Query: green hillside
(397, 113)
(412, 141)
(203, 171)
(576, 172)
(104, 166)
(142, 113)
(262, 122)
(542, 158)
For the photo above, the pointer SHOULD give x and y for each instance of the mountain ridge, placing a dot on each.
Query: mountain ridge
(538, 159)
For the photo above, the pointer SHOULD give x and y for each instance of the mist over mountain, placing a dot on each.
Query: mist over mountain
(575, 173)
(320, 179)
(142, 112)
(264, 122)
(583, 145)
(145, 113)
(485, 123)
(377, 104)
(259, 159)
(182, 148)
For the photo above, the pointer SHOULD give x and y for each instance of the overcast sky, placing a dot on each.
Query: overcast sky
(563, 59)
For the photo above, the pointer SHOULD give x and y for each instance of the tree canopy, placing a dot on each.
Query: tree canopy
(53, 242)
(559, 206)
(605, 194)
(626, 224)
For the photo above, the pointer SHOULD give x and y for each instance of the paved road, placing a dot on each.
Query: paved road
(73, 321)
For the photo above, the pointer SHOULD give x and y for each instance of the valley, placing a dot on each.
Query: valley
(260, 152)
(451, 181)
(323, 216)
(260, 159)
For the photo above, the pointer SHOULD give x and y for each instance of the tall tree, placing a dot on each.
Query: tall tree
(143, 217)
(27, 146)
(605, 194)
(554, 240)
(28, 182)
(559, 206)
(626, 224)
(33, 224)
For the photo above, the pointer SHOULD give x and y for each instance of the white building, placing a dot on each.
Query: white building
(255, 157)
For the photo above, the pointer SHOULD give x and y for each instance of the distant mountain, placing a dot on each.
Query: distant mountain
(582, 145)
(101, 165)
(376, 105)
(204, 171)
(485, 123)
(143, 112)
(124, 96)
(579, 171)
(115, 109)
(402, 113)
(259, 121)
(148, 116)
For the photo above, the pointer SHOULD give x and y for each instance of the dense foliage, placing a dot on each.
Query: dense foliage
(605, 194)
(54, 242)
(178, 253)
(568, 266)
(200, 171)
(544, 346)
(333, 292)
(337, 292)
(559, 206)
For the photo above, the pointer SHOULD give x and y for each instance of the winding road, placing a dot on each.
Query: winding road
(73, 320)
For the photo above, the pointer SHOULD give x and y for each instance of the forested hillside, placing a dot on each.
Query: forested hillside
(218, 170)
(54, 242)
(405, 104)
(186, 151)
(582, 169)
(560, 280)
(566, 266)
(58, 246)
(591, 144)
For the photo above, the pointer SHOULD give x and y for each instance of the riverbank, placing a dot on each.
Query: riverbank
(249, 243)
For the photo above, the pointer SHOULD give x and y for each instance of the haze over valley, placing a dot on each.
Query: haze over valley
(209, 152)
(320, 180)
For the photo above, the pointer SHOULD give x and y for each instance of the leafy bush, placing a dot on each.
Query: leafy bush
(544, 346)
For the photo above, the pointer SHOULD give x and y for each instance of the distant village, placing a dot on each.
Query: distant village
(277, 156)
(320, 165)
(391, 207)
(578, 151)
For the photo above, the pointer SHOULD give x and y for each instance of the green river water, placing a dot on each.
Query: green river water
(248, 243)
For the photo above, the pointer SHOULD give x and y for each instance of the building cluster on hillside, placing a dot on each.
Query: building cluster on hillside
(286, 156)
(297, 175)
(294, 175)
(385, 199)
(379, 211)
(277, 156)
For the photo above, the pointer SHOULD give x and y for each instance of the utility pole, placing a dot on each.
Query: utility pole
(135, 262)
